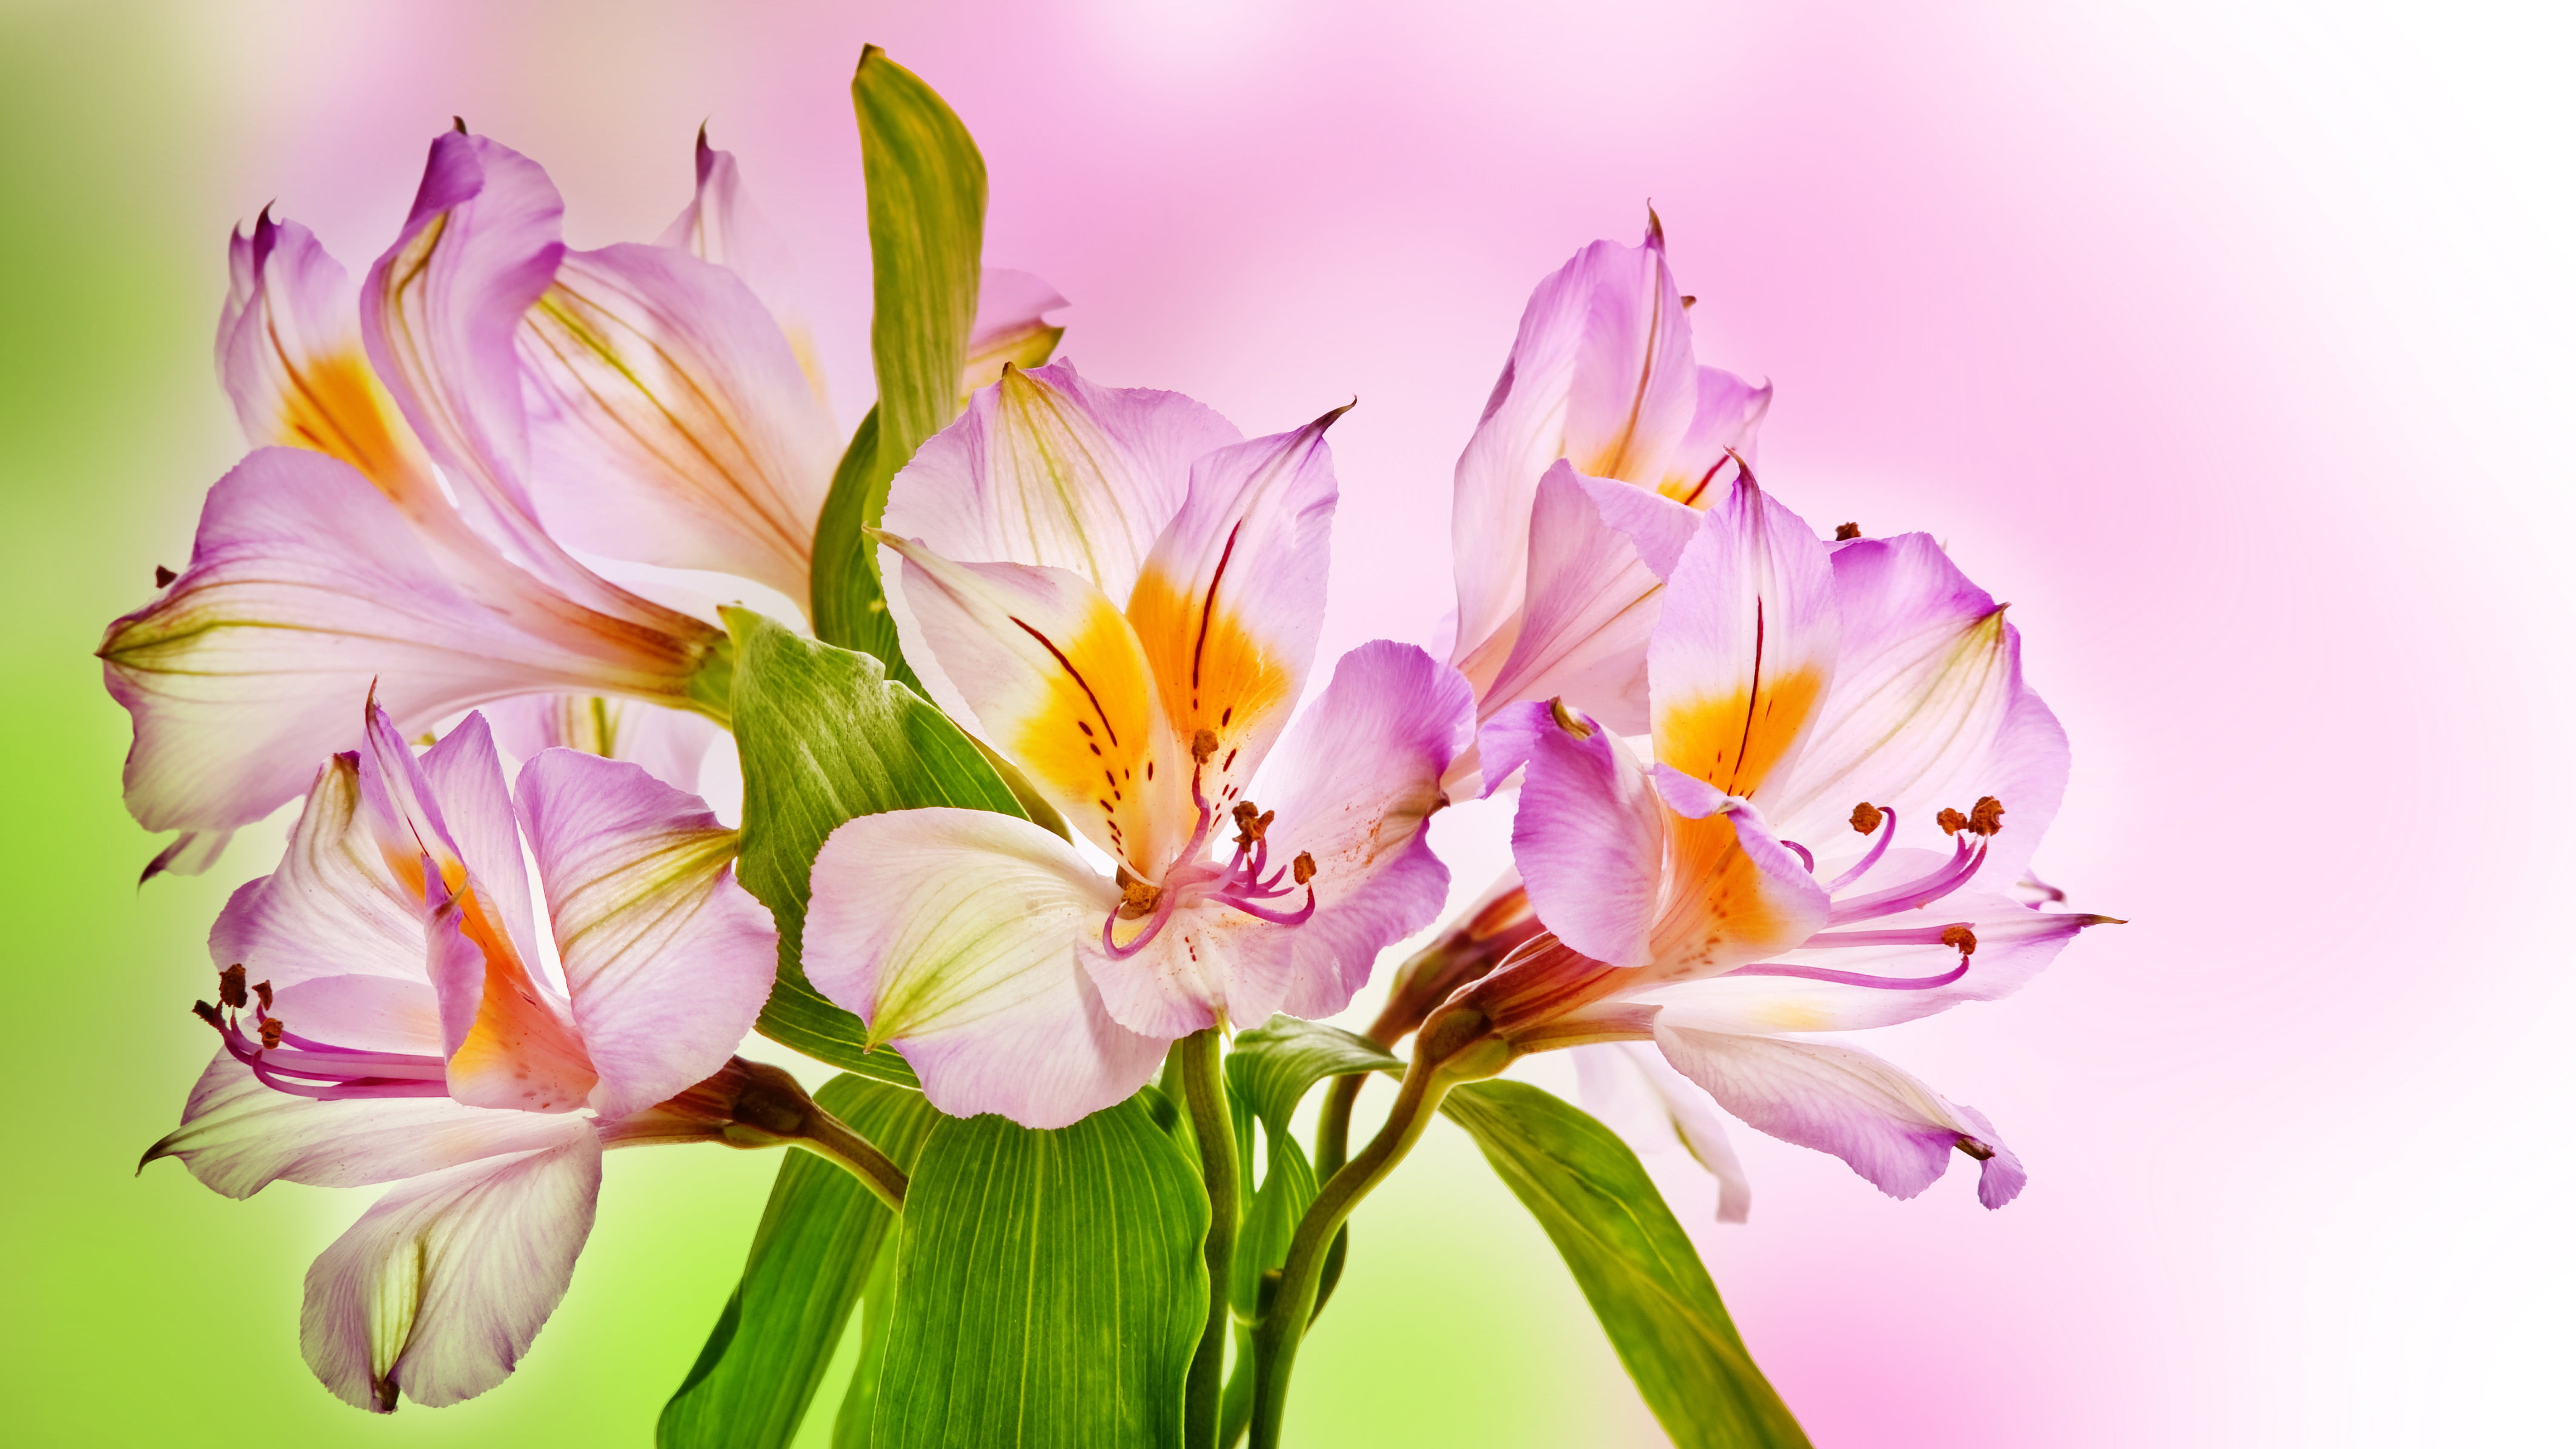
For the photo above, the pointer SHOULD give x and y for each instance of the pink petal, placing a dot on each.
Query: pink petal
(1051, 470)
(439, 1290)
(1721, 433)
(1010, 326)
(239, 1134)
(1231, 600)
(1744, 652)
(292, 360)
(1889, 1127)
(305, 587)
(1590, 608)
(959, 936)
(1928, 709)
(669, 420)
(1601, 374)
(334, 905)
(721, 225)
(1353, 782)
(463, 772)
(1636, 1093)
(670, 744)
(1588, 837)
(667, 957)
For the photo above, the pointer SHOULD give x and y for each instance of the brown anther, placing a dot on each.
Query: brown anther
(1867, 817)
(232, 986)
(1136, 898)
(269, 1031)
(267, 998)
(1203, 745)
(1566, 720)
(1302, 869)
(1950, 821)
(162, 578)
(1845, 532)
(1251, 822)
(1974, 1148)
(1986, 816)
(1960, 939)
(206, 1013)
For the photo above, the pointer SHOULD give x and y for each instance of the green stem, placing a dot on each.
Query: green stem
(831, 1139)
(1203, 1083)
(1283, 1323)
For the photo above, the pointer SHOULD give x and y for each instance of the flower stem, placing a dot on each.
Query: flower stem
(1283, 1322)
(831, 1139)
(1203, 1084)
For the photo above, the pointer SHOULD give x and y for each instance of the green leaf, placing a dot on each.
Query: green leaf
(1633, 1261)
(926, 238)
(856, 1426)
(825, 738)
(1049, 1290)
(817, 1243)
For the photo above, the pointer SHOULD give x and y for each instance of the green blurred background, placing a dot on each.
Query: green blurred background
(146, 1310)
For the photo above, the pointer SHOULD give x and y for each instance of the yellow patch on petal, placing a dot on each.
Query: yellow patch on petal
(334, 404)
(1093, 740)
(519, 1053)
(1717, 904)
(1214, 673)
(1732, 741)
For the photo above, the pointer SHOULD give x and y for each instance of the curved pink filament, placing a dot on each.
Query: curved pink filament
(1941, 882)
(1855, 978)
(1877, 848)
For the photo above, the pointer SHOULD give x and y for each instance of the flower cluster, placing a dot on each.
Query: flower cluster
(1770, 783)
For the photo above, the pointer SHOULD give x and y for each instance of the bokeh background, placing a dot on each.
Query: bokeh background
(2228, 341)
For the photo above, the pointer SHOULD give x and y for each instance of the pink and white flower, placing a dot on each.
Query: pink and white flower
(1124, 598)
(1811, 703)
(488, 402)
(414, 1021)
(1602, 437)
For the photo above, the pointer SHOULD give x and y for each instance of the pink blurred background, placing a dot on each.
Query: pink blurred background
(2229, 343)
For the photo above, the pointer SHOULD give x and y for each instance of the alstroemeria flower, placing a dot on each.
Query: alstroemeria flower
(1812, 703)
(1136, 650)
(415, 1022)
(1601, 436)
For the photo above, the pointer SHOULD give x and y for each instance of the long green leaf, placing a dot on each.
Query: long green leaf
(1633, 1261)
(816, 1246)
(926, 240)
(825, 738)
(1049, 1289)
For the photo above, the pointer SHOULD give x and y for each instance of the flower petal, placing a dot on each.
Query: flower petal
(441, 1287)
(670, 744)
(1590, 608)
(334, 905)
(667, 957)
(1010, 327)
(1721, 432)
(291, 358)
(305, 587)
(721, 225)
(1229, 604)
(1588, 837)
(1353, 782)
(239, 1134)
(1601, 374)
(669, 420)
(1058, 682)
(1745, 647)
(463, 773)
(1892, 1129)
(1637, 1094)
(1928, 708)
(1048, 469)
(958, 936)
(1732, 893)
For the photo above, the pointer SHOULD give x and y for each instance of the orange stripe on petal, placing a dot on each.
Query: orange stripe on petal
(1092, 739)
(520, 1053)
(1733, 741)
(1213, 672)
(1720, 910)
